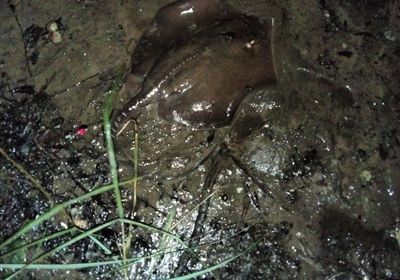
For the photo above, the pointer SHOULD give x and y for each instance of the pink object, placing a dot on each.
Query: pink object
(81, 130)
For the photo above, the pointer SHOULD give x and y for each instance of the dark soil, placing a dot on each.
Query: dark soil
(309, 168)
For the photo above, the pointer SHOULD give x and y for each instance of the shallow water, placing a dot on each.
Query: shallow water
(308, 166)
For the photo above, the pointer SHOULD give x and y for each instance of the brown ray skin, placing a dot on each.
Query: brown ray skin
(220, 78)
(227, 58)
(171, 27)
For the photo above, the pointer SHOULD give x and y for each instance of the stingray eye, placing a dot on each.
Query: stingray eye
(248, 88)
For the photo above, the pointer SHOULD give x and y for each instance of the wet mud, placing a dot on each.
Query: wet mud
(306, 163)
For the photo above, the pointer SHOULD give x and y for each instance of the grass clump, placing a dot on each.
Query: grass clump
(18, 255)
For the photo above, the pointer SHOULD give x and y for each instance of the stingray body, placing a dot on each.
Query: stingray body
(198, 60)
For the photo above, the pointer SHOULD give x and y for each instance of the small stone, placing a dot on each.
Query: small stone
(366, 175)
(303, 52)
(56, 37)
(389, 35)
(52, 26)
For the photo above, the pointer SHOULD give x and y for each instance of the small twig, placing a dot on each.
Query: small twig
(202, 214)
(88, 78)
(256, 180)
(12, 8)
(34, 181)
(70, 173)
(48, 63)
(135, 165)
(21, 169)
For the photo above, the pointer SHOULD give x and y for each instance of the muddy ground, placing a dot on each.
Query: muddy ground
(318, 182)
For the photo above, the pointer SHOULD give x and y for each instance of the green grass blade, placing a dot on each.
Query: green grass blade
(163, 242)
(86, 234)
(53, 211)
(40, 241)
(57, 208)
(62, 246)
(217, 266)
(101, 245)
(61, 266)
(107, 111)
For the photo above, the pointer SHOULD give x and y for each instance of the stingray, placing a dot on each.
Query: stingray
(197, 60)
